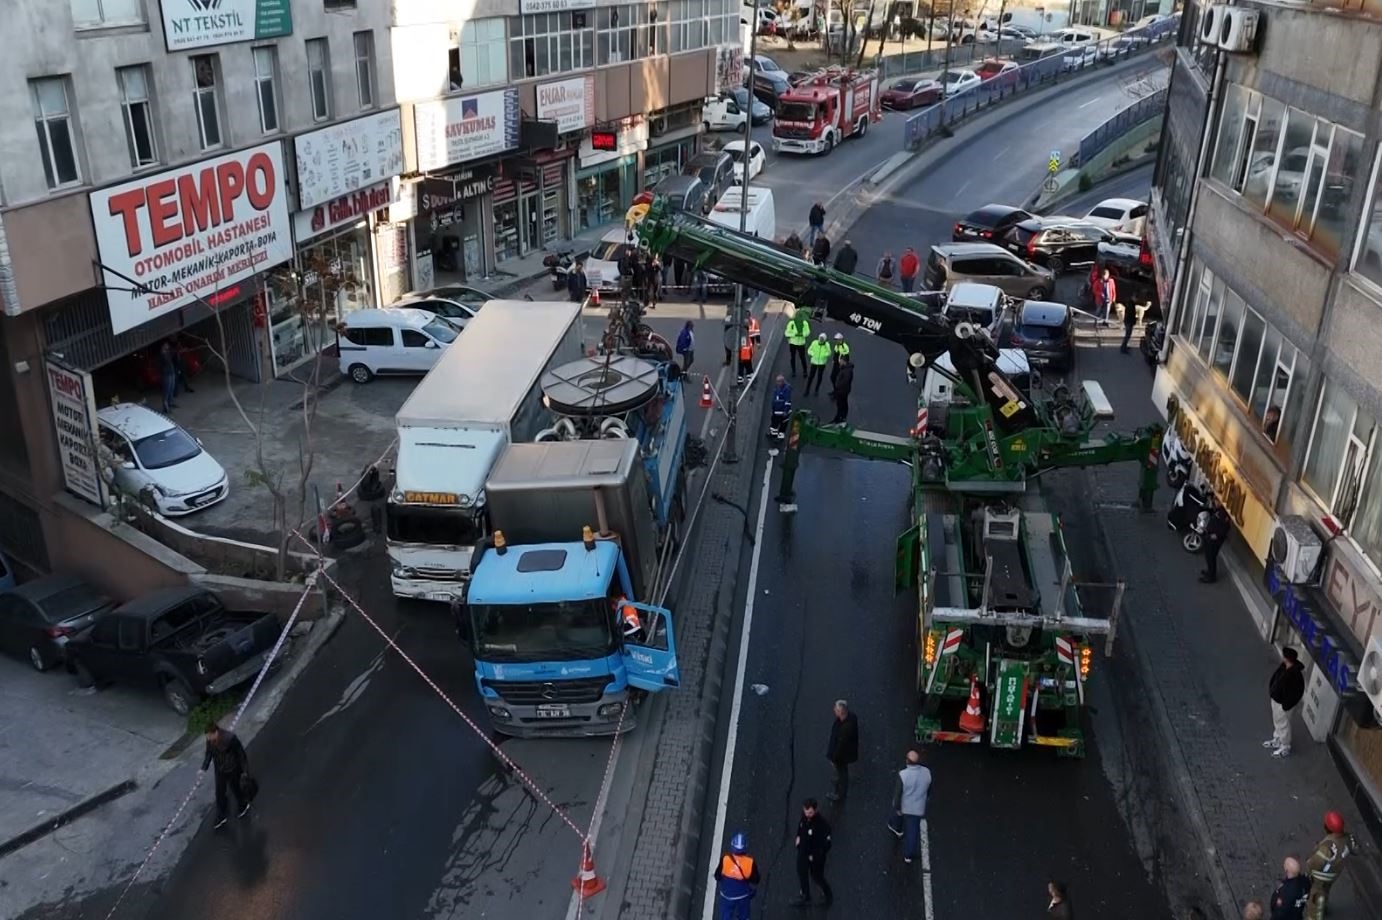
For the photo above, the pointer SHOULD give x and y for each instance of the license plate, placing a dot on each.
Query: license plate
(553, 711)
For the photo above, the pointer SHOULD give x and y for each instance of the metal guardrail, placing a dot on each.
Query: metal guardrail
(938, 118)
(1143, 110)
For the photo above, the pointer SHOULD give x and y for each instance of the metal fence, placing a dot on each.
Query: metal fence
(1143, 110)
(936, 119)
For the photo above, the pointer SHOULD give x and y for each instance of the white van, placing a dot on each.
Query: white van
(1074, 36)
(762, 216)
(980, 304)
(392, 341)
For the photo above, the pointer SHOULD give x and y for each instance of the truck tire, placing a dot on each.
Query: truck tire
(829, 143)
(179, 698)
(863, 127)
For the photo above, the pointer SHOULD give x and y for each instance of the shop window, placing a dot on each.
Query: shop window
(506, 240)
(137, 107)
(105, 14)
(1257, 175)
(550, 43)
(266, 87)
(482, 61)
(1367, 257)
(364, 68)
(206, 99)
(319, 78)
(57, 137)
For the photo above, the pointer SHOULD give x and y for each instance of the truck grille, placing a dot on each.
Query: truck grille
(804, 133)
(435, 574)
(536, 692)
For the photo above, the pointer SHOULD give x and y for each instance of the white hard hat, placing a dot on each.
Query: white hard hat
(822, 336)
(839, 336)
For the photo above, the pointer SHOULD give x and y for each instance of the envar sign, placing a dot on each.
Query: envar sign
(189, 232)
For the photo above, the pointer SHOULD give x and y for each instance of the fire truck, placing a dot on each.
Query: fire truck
(824, 109)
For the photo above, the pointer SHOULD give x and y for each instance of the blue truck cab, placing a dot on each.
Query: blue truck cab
(546, 623)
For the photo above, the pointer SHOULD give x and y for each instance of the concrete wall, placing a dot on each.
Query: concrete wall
(1338, 55)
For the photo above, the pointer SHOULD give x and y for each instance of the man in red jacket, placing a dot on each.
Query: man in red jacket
(907, 268)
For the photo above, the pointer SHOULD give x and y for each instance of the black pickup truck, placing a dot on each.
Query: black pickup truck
(182, 641)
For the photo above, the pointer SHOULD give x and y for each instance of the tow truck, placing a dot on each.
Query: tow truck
(1004, 632)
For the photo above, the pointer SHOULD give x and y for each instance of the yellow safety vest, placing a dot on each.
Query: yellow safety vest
(819, 352)
(798, 330)
(841, 348)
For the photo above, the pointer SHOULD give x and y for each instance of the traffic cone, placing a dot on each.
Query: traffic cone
(594, 298)
(587, 884)
(707, 400)
(972, 719)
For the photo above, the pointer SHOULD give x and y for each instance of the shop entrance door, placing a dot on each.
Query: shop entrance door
(530, 214)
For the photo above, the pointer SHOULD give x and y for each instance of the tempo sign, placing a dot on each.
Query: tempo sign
(74, 420)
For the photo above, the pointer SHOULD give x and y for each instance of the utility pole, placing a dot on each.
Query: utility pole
(740, 325)
(949, 40)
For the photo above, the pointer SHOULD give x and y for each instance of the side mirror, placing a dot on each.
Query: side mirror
(127, 465)
(431, 344)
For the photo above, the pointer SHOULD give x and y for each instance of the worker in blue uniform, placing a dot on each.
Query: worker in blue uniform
(738, 877)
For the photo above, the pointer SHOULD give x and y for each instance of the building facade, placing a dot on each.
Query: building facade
(1266, 231)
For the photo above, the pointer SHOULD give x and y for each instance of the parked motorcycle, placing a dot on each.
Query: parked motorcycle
(1189, 516)
(1152, 338)
(1176, 457)
(558, 264)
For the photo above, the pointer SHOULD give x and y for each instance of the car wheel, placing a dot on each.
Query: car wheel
(179, 697)
(36, 659)
(361, 374)
(1056, 264)
(1036, 293)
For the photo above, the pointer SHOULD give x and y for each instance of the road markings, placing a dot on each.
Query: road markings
(927, 903)
(727, 765)
(1090, 102)
(1002, 153)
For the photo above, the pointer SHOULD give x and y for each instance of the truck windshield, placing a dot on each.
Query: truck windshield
(433, 526)
(560, 631)
(796, 111)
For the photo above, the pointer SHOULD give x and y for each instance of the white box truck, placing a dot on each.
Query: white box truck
(484, 393)
(762, 216)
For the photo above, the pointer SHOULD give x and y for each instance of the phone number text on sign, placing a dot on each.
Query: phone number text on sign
(188, 232)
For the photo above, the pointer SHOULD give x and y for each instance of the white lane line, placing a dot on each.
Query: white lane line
(1091, 102)
(1002, 153)
(727, 766)
(961, 190)
(927, 903)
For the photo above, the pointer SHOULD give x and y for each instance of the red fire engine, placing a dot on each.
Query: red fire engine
(824, 109)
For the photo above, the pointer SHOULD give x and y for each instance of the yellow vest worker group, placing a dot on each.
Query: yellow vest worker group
(819, 352)
(798, 330)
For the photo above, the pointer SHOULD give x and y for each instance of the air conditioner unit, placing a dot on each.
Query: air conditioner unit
(1238, 29)
(1370, 674)
(1209, 24)
(658, 126)
(1296, 548)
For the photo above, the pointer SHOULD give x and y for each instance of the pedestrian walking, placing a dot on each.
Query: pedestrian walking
(813, 845)
(842, 749)
(755, 331)
(577, 285)
(1215, 533)
(639, 277)
(733, 332)
(909, 805)
(628, 285)
(1129, 323)
(745, 356)
(887, 268)
(839, 349)
(1059, 906)
(1324, 865)
(700, 286)
(816, 222)
(819, 355)
(843, 384)
(1288, 900)
(781, 408)
(1285, 689)
(179, 369)
(168, 375)
(794, 244)
(226, 755)
(820, 249)
(1105, 296)
(798, 332)
(907, 268)
(652, 281)
(686, 346)
(738, 876)
(846, 260)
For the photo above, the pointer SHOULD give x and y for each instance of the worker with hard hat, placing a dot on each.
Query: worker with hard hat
(819, 356)
(738, 877)
(839, 348)
(798, 333)
(755, 330)
(1325, 864)
(746, 351)
(629, 619)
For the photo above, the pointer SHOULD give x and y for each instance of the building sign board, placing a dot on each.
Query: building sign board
(341, 212)
(186, 233)
(339, 159)
(569, 103)
(74, 420)
(1353, 591)
(462, 128)
(1336, 662)
(553, 6)
(204, 23)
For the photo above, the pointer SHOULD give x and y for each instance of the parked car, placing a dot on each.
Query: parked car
(7, 579)
(911, 93)
(957, 82)
(1057, 243)
(999, 73)
(456, 302)
(1081, 56)
(983, 305)
(602, 268)
(769, 85)
(985, 263)
(38, 617)
(762, 64)
(182, 641)
(987, 223)
(1117, 213)
(1122, 46)
(757, 159)
(392, 341)
(715, 169)
(726, 112)
(155, 460)
(1046, 332)
(1019, 33)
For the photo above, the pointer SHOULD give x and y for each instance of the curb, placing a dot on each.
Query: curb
(48, 825)
(1073, 192)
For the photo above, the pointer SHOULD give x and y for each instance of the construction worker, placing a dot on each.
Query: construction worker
(738, 877)
(1325, 864)
(839, 348)
(745, 356)
(819, 356)
(782, 408)
(798, 332)
(629, 619)
(755, 331)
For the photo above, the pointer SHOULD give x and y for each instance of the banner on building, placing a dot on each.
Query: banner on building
(74, 420)
(335, 161)
(569, 103)
(203, 23)
(463, 128)
(341, 212)
(186, 233)
(553, 6)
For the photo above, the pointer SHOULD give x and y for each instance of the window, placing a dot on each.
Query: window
(686, 25)
(103, 14)
(56, 136)
(1209, 320)
(338, 4)
(481, 52)
(1336, 448)
(266, 87)
(1226, 343)
(1341, 170)
(1257, 175)
(414, 339)
(364, 68)
(1193, 295)
(368, 335)
(205, 98)
(1292, 165)
(319, 78)
(138, 110)
(1367, 259)
(550, 43)
(616, 34)
(1249, 349)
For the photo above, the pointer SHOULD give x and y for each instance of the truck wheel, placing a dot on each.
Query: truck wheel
(178, 696)
(829, 142)
(361, 374)
(863, 127)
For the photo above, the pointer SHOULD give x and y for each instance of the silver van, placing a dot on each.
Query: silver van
(986, 263)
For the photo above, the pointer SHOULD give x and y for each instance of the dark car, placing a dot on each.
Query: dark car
(1046, 332)
(1058, 244)
(37, 618)
(988, 224)
(911, 94)
(768, 85)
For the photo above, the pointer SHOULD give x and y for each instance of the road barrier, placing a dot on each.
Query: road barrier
(1143, 110)
(938, 118)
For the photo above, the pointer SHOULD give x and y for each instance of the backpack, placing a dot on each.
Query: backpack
(885, 269)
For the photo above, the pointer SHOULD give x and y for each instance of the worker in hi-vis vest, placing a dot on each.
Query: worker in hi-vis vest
(798, 332)
(738, 877)
(838, 349)
(819, 356)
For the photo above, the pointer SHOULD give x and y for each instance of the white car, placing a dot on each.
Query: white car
(152, 455)
(757, 159)
(1081, 56)
(959, 81)
(763, 64)
(1117, 213)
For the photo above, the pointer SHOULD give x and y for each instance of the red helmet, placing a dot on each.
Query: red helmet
(1333, 822)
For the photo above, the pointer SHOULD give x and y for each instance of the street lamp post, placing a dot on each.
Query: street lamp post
(740, 324)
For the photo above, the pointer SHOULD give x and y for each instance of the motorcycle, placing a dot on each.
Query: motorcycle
(1152, 339)
(1189, 516)
(1177, 459)
(559, 264)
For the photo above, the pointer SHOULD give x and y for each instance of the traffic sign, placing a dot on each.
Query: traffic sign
(1053, 164)
(1050, 185)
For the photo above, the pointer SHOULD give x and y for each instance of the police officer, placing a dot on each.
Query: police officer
(798, 332)
(1325, 864)
(839, 348)
(819, 356)
(738, 877)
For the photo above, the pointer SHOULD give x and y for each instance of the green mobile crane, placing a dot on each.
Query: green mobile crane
(1004, 631)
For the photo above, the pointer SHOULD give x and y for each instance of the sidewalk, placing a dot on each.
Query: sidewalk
(513, 275)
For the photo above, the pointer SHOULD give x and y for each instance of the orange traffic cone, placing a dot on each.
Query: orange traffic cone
(706, 399)
(972, 720)
(587, 884)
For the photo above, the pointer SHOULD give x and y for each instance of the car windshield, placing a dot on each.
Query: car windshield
(992, 67)
(468, 296)
(432, 526)
(609, 251)
(441, 330)
(953, 76)
(796, 111)
(165, 449)
(1039, 333)
(557, 631)
(1109, 212)
(741, 96)
(735, 153)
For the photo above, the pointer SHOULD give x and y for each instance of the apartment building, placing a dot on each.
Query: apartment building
(1266, 232)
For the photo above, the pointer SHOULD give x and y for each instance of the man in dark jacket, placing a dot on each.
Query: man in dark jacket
(1286, 688)
(1288, 901)
(844, 382)
(1214, 536)
(813, 845)
(686, 345)
(227, 754)
(842, 750)
(816, 220)
(846, 260)
(820, 249)
(576, 283)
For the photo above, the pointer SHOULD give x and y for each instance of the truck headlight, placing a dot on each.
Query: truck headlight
(499, 712)
(610, 710)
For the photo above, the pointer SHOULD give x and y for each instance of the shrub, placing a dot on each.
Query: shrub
(212, 709)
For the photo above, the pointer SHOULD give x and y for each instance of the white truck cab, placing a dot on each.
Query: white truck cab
(938, 390)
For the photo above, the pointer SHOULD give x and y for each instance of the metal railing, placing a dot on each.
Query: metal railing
(1049, 70)
(1143, 110)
